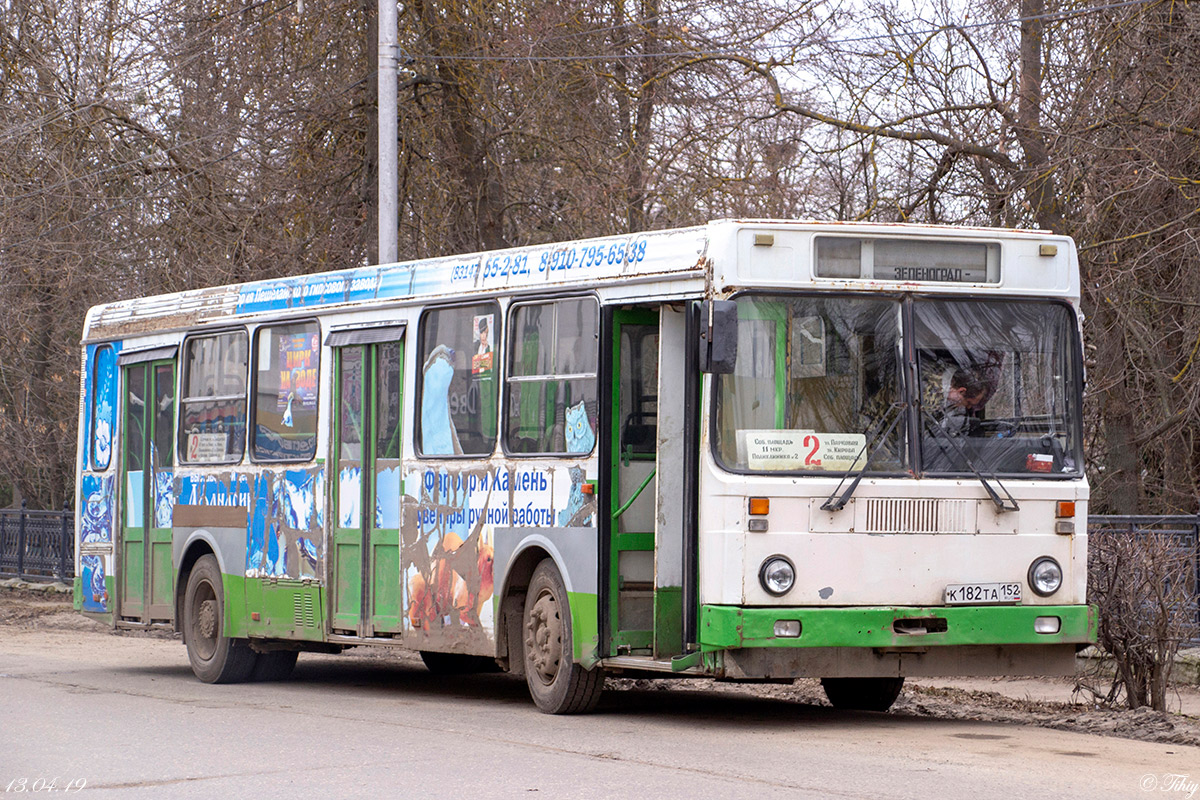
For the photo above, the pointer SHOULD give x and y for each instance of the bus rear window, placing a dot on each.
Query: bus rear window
(104, 406)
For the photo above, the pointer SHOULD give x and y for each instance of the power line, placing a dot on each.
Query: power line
(1048, 16)
(188, 43)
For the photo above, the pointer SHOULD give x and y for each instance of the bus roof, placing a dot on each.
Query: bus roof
(682, 254)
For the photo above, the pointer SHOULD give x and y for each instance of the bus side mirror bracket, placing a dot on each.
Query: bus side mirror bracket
(718, 336)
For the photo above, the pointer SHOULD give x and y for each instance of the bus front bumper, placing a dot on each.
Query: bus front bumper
(744, 643)
(728, 627)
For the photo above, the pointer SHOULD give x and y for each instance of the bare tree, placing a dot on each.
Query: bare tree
(1051, 115)
(1144, 587)
(150, 149)
(217, 141)
(63, 168)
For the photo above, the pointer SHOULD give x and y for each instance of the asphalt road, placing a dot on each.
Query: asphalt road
(124, 714)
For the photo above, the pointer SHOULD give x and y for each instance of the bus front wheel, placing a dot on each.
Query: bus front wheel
(557, 684)
(215, 657)
(862, 694)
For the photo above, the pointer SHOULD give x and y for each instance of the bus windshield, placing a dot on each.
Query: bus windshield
(998, 387)
(818, 387)
(816, 379)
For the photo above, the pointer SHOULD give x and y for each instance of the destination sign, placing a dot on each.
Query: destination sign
(911, 261)
(949, 274)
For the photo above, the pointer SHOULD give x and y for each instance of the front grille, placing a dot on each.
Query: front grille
(919, 516)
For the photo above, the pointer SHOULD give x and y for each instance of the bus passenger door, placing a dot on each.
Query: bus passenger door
(634, 475)
(648, 482)
(147, 577)
(365, 568)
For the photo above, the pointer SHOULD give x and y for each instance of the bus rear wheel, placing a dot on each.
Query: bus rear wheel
(862, 694)
(214, 656)
(557, 684)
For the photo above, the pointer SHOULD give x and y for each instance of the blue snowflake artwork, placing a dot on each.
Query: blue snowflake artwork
(349, 497)
(105, 381)
(95, 523)
(92, 584)
(164, 498)
(299, 499)
(577, 511)
(261, 538)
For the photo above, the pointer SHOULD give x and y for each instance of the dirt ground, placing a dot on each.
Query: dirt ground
(1046, 702)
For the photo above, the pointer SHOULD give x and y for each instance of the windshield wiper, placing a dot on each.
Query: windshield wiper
(1006, 503)
(839, 503)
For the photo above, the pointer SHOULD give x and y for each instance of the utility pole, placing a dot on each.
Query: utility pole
(389, 217)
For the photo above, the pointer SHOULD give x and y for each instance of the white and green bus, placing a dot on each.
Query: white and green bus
(749, 450)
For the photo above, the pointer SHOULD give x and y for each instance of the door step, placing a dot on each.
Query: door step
(154, 625)
(337, 638)
(680, 665)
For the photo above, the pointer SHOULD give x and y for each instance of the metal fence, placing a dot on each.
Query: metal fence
(1185, 530)
(37, 545)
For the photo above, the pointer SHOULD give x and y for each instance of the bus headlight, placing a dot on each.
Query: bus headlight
(777, 575)
(1045, 576)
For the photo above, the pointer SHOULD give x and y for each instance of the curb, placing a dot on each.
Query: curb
(30, 586)
(1186, 669)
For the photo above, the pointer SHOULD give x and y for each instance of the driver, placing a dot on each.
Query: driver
(969, 391)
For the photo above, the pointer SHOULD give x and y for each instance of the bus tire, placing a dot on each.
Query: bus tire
(557, 684)
(274, 665)
(215, 657)
(862, 694)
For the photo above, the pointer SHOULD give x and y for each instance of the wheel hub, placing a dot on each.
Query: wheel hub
(543, 638)
(206, 619)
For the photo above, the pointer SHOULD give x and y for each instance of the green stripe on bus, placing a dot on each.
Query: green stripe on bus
(724, 627)
(288, 609)
(237, 616)
(585, 629)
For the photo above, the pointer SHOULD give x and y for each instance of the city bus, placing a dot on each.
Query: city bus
(751, 450)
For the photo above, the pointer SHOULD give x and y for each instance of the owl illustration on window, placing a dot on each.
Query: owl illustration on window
(580, 436)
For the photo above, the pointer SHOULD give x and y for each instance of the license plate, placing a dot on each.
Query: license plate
(982, 593)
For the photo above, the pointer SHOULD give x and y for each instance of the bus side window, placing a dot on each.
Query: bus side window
(287, 367)
(550, 387)
(212, 406)
(456, 391)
